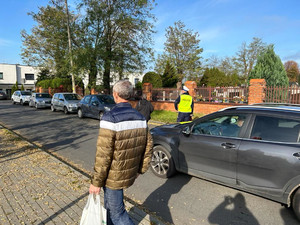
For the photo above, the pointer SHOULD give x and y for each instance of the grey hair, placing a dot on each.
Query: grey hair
(124, 89)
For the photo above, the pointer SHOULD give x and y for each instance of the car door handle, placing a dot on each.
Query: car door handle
(228, 145)
(297, 155)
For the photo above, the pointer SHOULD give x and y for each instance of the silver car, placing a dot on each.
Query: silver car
(21, 97)
(66, 102)
(40, 100)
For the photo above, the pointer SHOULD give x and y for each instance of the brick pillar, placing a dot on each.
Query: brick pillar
(256, 91)
(191, 85)
(147, 91)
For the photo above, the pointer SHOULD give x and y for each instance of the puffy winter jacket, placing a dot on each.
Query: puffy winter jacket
(124, 148)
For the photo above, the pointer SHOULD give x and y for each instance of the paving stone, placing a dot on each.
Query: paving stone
(36, 188)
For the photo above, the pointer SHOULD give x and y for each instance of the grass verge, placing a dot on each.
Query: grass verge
(168, 116)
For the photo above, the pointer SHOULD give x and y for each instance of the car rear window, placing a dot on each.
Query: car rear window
(25, 93)
(43, 96)
(107, 99)
(71, 97)
(276, 129)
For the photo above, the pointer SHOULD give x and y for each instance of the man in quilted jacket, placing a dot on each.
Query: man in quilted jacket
(124, 150)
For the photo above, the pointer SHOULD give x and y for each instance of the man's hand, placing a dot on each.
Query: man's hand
(94, 190)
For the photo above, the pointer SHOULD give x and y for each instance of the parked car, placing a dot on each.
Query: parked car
(95, 105)
(3, 95)
(21, 97)
(254, 148)
(66, 102)
(40, 100)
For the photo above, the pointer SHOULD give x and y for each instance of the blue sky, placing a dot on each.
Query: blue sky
(223, 25)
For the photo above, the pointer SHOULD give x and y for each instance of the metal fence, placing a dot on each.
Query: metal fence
(165, 94)
(237, 95)
(282, 95)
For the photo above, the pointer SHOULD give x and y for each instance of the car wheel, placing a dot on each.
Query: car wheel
(52, 108)
(13, 102)
(80, 114)
(36, 106)
(21, 102)
(296, 203)
(66, 110)
(162, 164)
(100, 115)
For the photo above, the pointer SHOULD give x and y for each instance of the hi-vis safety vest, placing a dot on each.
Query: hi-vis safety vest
(185, 104)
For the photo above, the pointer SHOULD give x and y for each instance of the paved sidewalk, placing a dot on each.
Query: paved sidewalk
(37, 188)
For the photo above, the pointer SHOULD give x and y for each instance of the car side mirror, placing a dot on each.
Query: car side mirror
(186, 131)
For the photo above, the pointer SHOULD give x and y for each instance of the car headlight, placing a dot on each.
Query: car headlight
(73, 105)
(106, 108)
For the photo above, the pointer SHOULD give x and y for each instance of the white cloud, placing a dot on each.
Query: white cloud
(5, 43)
(208, 35)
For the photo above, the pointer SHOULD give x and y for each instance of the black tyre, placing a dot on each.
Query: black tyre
(21, 102)
(66, 110)
(80, 113)
(52, 108)
(36, 106)
(13, 102)
(296, 203)
(100, 115)
(162, 164)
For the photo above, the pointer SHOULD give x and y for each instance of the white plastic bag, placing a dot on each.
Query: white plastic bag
(93, 213)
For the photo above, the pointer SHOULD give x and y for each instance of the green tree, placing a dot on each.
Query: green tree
(44, 74)
(22, 87)
(270, 68)
(182, 50)
(15, 87)
(47, 45)
(169, 77)
(213, 77)
(119, 34)
(247, 55)
(153, 78)
(292, 70)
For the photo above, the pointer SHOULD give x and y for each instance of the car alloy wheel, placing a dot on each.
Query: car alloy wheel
(36, 106)
(162, 164)
(21, 102)
(100, 115)
(80, 114)
(66, 110)
(52, 108)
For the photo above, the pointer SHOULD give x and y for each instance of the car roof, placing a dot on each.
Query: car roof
(267, 107)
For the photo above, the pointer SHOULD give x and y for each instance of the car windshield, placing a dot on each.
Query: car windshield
(43, 96)
(25, 93)
(71, 97)
(107, 99)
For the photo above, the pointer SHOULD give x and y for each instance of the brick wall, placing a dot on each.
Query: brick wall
(256, 95)
(199, 107)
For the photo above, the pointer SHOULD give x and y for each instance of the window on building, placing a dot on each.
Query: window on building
(1, 75)
(29, 76)
(136, 80)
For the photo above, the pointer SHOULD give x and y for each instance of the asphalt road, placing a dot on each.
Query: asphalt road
(180, 200)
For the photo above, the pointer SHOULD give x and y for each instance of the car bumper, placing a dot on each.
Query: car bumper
(72, 109)
(43, 105)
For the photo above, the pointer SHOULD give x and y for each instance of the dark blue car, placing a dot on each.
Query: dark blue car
(94, 106)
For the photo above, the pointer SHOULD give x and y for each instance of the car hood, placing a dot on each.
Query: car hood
(72, 101)
(43, 99)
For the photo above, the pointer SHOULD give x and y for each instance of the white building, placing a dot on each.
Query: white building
(12, 73)
(27, 75)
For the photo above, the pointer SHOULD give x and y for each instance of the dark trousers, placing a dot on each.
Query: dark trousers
(183, 117)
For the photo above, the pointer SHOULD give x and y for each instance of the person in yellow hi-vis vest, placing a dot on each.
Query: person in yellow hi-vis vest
(184, 104)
